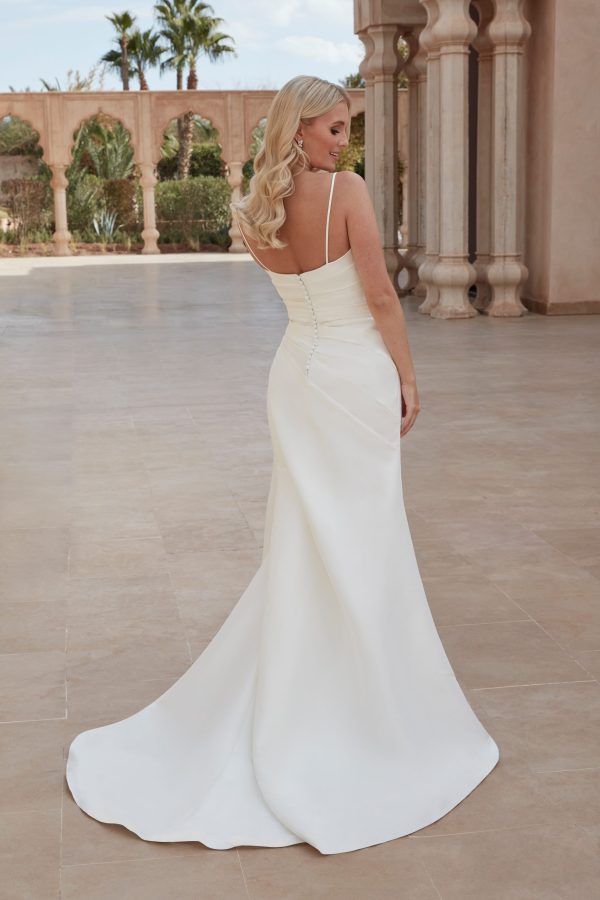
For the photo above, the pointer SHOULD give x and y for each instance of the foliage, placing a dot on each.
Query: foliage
(18, 138)
(29, 200)
(103, 148)
(119, 194)
(193, 210)
(206, 160)
(105, 225)
(84, 196)
(93, 81)
(118, 59)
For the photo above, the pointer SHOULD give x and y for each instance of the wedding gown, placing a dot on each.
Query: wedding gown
(325, 709)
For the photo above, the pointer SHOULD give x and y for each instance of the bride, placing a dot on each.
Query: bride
(325, 709)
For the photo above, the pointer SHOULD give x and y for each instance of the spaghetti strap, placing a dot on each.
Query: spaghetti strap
(237, 218)
(327, 225)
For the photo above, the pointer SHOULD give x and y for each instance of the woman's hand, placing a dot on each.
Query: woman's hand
(410, 405)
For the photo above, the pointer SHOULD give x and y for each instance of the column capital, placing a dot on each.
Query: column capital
(453, 28)
(385, 62)
(509, 29)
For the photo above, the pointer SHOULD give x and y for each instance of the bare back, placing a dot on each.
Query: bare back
(305, 227)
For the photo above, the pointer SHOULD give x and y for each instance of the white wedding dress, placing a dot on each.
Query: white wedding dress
(325, 709)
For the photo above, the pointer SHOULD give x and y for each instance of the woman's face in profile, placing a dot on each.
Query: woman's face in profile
(326, 136)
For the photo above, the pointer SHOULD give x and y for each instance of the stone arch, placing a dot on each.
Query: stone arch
(31, 120)
(164, 115)
(74, 123)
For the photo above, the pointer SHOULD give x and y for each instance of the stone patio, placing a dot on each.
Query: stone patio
(135, 466)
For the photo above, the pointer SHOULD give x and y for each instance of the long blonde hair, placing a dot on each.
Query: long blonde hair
(261, 210)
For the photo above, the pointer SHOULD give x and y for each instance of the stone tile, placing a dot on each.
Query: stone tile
(575, 793)
(32, 685)
(538, 862)
(31, 765)
(26, 627)
(27, 874)
(506, 653)
(90, 558)
(299, 872)
(20, 581)
(545, 728)
(468, 600)
(211, 875)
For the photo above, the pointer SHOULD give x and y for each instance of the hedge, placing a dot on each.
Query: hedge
(193, 210)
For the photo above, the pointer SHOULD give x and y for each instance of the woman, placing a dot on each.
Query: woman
(325, 710)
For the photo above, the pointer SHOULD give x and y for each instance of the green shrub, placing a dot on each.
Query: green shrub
(120, 197)
(195, 210)
(29, 200)
(206, 160)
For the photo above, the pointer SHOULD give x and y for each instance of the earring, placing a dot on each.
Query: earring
(300, 143)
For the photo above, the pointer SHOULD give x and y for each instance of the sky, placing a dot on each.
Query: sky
(274, 40)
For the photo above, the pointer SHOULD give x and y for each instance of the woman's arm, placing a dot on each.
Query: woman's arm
(381, 297)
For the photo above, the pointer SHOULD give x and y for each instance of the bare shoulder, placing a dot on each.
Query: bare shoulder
(353, 186)
(364, 237)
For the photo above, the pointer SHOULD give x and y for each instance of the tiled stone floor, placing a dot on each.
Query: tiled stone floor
(135, 462)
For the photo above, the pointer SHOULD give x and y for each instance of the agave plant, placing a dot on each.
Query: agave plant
(105, 225)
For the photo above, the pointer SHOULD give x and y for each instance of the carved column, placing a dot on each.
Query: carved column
(385, 66)
(509, 31)
(150, 233)
(453, 273)
(235, 178)
(365, 72)
(61, 235)
(427, 40)
(485, 99)
(416, 69)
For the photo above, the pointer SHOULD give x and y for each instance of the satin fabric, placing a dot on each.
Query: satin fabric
(325, 709)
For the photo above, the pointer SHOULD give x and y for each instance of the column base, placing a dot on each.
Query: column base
(452, 277)
(150, 238)
(61, 241)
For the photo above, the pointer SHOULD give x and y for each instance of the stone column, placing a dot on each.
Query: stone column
(509, 31)
(384, 66)
(485, 95)
(416, 69)
(453, 273)
(61, 235)
(150, 233)
(235, 178)
(365, 72)
(431, 158)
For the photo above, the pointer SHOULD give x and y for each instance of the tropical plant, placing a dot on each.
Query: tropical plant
(170, 15)
(105, 225)
(93, 81)
(189, 29)
(119, 59)
(102, 148)
(145, 51)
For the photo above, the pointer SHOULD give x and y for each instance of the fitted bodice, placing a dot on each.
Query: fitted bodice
(331, 293)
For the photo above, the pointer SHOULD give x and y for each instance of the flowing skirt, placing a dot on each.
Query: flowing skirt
(325, 709)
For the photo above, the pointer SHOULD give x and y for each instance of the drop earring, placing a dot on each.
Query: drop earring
(300, 143)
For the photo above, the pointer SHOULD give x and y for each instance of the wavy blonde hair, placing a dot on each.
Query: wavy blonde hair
(261, 210)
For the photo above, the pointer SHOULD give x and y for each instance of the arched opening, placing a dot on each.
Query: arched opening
(26, 207)
(103, 201)
(192, 195)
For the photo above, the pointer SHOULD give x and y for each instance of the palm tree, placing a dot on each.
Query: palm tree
(202, 37)
(171, 15)
(145, 51)
(189, 29)
(118, 59)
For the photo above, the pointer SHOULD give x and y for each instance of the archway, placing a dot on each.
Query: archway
(192, 194)
(103, 201)
(26, 211)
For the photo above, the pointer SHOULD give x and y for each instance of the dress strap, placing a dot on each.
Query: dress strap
(327, 225)
(237, 218)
